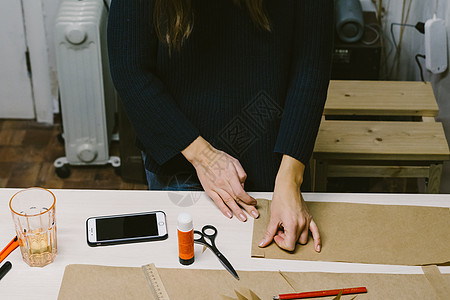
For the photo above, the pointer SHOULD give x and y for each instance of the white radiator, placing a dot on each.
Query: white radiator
(88, 97)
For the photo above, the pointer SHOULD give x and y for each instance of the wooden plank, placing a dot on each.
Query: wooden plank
(378, 171)
(434, 179)
(380, 98)
(428, 119)
(371, 140)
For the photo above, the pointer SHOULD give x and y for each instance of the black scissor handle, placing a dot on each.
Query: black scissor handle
(211, 236)
(199, 237)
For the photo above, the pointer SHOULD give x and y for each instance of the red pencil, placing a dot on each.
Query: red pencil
(303, 295)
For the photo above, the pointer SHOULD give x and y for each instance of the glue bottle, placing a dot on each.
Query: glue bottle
(185, 239)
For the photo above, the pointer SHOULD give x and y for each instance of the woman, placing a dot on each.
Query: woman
(227, 94)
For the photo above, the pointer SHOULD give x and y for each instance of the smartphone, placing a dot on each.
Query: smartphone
(128, 228)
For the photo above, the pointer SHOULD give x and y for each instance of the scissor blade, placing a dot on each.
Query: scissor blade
(226, 264)
(221, 258)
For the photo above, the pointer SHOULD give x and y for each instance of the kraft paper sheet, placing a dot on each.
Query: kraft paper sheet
(367, 233)
(100, 282)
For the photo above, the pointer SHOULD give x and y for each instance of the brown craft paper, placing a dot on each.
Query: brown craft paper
(440, 286)
(367, 233)
(99, 282)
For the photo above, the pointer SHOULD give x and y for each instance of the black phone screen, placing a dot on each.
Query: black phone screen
(126, 227)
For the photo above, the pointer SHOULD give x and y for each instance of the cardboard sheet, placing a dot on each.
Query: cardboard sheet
(100, 282)
(367, 233)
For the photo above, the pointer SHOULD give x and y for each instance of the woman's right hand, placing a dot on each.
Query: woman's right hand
(222, 178)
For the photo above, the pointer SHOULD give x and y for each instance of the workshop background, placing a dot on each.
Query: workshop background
(29, 84)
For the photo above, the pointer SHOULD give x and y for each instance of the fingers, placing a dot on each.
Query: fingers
(238, 188)
(240, 193)
(231, 203)
(250, 209)
(228, 175)
(272, 229)
(316, 236)
(219, 203)
(304, 234)
(281, 233)
(288, 240)
(222, 178)
(225, 202)
(240, 170)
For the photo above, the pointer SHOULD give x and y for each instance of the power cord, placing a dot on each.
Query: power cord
(420, 66)
(436, 6)
(420, 26)
(376, 29)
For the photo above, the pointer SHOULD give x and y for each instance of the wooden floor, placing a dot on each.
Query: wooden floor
(27, 153)
(28, 150)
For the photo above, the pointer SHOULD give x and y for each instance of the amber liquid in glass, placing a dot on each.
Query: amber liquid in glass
(39, 247)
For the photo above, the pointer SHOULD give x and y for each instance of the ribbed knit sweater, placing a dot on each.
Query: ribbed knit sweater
(251, 93)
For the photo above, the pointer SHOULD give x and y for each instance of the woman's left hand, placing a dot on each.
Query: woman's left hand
(290, 220)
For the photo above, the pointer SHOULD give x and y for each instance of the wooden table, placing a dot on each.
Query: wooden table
(380, 129)
(234, 238)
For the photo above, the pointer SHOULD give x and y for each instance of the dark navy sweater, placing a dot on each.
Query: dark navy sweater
(251, 93)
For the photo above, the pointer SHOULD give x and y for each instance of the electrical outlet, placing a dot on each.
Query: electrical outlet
(435, 45)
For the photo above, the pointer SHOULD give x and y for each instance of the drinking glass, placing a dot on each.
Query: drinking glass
(33, 212)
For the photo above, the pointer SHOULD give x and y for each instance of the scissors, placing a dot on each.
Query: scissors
(200, 239)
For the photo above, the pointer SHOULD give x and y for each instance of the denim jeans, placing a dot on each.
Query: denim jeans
(177, 182)
(189, 182)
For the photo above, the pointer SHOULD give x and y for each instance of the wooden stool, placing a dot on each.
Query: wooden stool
(380, 148)
(380, 98)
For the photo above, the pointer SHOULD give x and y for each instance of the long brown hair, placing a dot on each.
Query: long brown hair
(174, 19)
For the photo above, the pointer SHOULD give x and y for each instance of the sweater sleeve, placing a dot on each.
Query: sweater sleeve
(160, 126)
(310, 73)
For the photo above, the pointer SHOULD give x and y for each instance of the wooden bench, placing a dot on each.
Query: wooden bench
(415, 147)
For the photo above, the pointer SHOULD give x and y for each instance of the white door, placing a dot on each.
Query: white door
(16, 99)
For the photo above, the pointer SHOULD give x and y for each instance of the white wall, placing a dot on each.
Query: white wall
(16, 96)
(50, 9)
(413, 41)
(33, 16)
(441, 85)
(412, 44)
